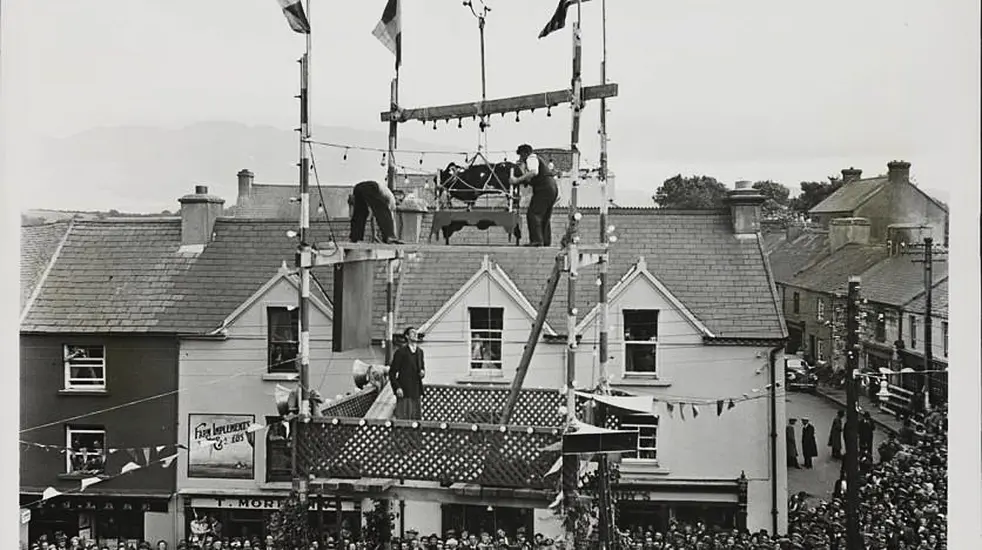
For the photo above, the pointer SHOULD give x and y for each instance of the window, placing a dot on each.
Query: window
(796, 302)
(640, 340)
(647, 427)
(944, 337)
(820, 308)
(486, 326)
(278, 465)
(912, 329)
(284, 338)
(86, 450)
(881, 326)
(820, 351)
(85, 367)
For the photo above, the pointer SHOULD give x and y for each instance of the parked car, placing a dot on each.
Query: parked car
(798, 375)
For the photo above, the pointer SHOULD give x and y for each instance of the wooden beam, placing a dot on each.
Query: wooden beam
(500, 106)
(363, 251)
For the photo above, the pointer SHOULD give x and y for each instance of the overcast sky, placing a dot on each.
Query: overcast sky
(738, 89)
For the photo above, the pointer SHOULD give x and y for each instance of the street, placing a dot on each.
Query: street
(819, 480)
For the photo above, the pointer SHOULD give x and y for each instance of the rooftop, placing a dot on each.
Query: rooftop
(37, 245)
(831, 272)
(850, 196)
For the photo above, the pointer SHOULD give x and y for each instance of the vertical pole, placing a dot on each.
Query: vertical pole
(606, 513)
(390, 300)
(854, 540)
(928, 336)
(390, 178)
(570, 471)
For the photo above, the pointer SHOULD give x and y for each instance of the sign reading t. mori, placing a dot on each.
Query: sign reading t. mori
(221, 446)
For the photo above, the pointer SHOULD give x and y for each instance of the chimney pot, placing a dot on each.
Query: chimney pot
(200, 189)
(898, 171)
(851, 174)
(198, 214)
(246, 178)
(745, 203)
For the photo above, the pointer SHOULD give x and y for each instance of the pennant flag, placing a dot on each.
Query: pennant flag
(113, 450)
(254, 427)
(166, 462)
(695, 411)
(50, 493)
(160, 448)
(719, 407)
(293, 10)
(555, 467)
(558, 20)
(133, 454)
(559, 499)
(129, 467)
(146, 455)
(671, 407)
(730, 405)
(682, 410)
(389, 29)
(89, 481)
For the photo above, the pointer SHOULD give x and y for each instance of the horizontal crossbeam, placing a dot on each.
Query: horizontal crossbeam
(500, 106)
(330, 253)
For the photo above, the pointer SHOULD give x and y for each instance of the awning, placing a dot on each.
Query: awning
(642, 404)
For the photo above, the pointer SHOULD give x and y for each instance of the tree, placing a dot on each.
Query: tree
(814, 192)
(289, 526)
(776, 198)
(691, 193)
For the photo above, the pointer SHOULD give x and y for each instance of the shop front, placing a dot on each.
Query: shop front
(654, 508)
(476, 519)
(248, 516)
(105, 518)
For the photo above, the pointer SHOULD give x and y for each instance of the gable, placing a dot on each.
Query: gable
(641, 290)
(280, 291)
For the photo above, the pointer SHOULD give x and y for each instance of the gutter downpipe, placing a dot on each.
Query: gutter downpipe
(774, 457)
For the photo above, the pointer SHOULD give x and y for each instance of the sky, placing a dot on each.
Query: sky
(747, 89)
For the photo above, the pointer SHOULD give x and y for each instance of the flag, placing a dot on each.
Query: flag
(89, 481)
(389, 29)
(293, 10)
(558, 20)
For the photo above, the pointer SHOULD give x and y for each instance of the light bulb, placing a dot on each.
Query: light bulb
(613, 238)
(577, 216)
(291, 234)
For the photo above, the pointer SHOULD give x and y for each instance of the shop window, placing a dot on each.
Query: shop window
(640, 340)
(86, 450)
(486, 326)
(283, 341)
(85, 367)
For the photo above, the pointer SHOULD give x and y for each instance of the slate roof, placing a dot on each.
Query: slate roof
(939, 300)
(830, 273)
(787, 258)
(38, 244)
(850, 196)
(721, 279)
(897, 280)
(126, 275)
(272, 201)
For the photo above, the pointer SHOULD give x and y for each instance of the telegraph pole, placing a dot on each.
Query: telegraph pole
(853, 538)
(928, 336)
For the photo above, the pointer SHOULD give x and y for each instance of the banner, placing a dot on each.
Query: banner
(221, 446)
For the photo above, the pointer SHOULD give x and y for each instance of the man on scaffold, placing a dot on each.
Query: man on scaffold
(377, 197)
(540, 178)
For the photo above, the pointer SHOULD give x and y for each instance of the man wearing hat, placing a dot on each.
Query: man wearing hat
(809, 447)
(540, 178)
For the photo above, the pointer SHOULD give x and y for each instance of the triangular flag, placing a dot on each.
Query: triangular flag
(557, 501)
(129, 467)
(160, 448)
(389, 29)
(730, 405)
(293, 10)
(558, 20)
(146, 455)
(134, 455)
(682, 410)
(89, 481)
(113, 450)
(254, 427)
(695, 411)
(719, 407)
(166, 462)
(556, 466)
(671, 407)
(50, 493)
(654, 406)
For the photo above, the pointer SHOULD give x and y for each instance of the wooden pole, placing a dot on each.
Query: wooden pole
(854, 539)
(928, 336)
(570, 470)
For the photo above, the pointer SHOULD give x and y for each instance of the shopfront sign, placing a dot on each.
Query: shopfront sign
(221, 446)
(104, 504)
(263, 503)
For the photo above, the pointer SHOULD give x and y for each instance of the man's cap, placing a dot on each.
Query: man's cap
(523, 149)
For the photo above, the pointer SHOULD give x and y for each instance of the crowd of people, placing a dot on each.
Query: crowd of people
(902, 505)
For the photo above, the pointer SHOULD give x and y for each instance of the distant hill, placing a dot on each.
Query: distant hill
(146, 169)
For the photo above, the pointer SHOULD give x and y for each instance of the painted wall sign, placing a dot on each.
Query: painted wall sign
(221, 446)
(264, 503)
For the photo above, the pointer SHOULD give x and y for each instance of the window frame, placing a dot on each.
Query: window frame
(912, 331)
(651, 342)
(284, 368)
(880, 328)
(274, 427)
(68, 364)
(820, 349)
(796, 303)
(639, 422)
(70, 450)
(944, 338)
(494, 313)
(820, 308)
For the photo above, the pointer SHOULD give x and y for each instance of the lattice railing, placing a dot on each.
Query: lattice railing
(485, 454)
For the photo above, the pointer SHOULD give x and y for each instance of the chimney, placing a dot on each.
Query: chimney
(245, 186)
(744, 203)
(843, 231)
(898, 171)
(198, 214)
(851, 174)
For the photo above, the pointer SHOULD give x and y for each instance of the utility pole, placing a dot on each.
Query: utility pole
(571, 463)
(854, 540)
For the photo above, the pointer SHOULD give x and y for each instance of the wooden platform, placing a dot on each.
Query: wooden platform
(345, 252)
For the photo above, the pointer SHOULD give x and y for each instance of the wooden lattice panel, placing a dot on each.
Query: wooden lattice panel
(483, 405)
(484, 454)
(355, 405)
